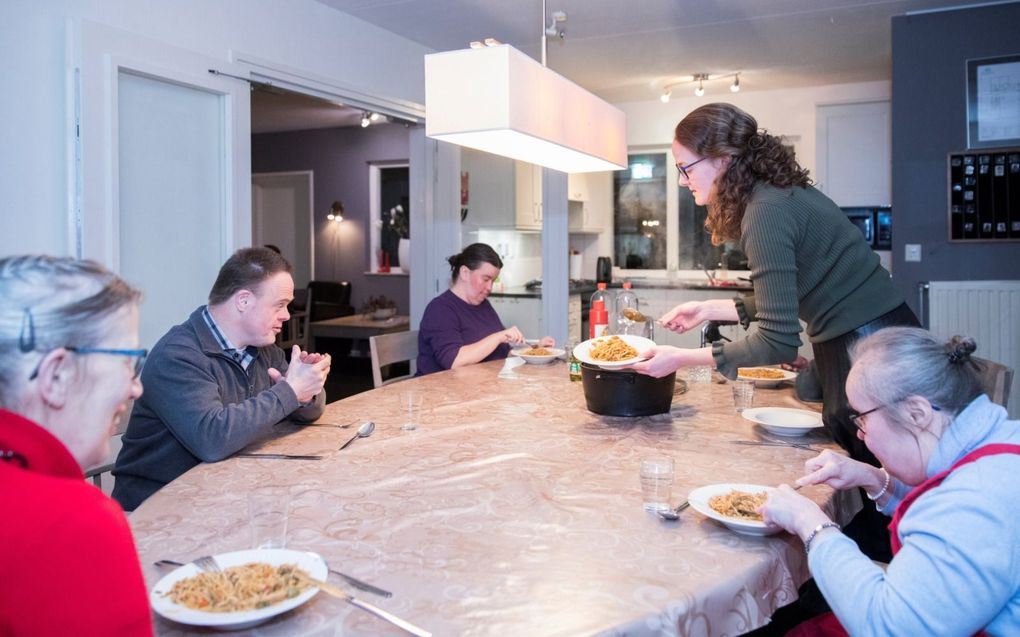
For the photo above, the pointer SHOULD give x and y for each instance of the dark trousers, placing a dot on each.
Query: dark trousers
(869, 528)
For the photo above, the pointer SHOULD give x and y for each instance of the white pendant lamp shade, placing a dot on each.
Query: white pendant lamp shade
(501, 101)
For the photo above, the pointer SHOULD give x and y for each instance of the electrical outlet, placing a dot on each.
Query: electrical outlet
(912, 252)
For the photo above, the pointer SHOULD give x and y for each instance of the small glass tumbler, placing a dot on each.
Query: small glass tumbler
(699, 374)
(267, 516)
(410, 408)
(656, 482)
(743, 394)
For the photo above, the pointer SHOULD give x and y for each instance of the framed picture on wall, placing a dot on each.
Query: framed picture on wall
(993, 102)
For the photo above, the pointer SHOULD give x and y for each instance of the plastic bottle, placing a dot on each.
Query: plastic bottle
(598, 316)
(625, 299)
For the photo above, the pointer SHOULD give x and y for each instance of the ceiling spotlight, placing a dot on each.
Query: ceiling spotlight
(492, 42)
(664, 98)
(735, 87)
(477, 44)
(365, 119)
(374, 117)
(701, 88)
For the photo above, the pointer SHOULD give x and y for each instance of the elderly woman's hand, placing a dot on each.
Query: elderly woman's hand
(840, 472)
(791, 511)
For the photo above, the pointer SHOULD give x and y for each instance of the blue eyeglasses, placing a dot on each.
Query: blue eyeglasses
(140, 354)
(683, 169)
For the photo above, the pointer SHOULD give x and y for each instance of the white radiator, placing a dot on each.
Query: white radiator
(988, 311)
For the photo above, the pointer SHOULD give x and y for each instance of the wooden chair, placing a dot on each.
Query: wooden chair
(395, 347)
(996, 380)
(295, 330)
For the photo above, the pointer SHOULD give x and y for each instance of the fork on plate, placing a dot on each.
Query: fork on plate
(207, 563)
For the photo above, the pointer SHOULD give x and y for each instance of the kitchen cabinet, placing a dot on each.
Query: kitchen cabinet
(526, 313)
(490, 189)
(577, 187)
(528, 189)
(589, 207)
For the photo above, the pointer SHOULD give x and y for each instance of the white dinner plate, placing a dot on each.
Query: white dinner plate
(768, 382)
(312, 563)
(699, 501)
(784, 421)
(640, 343)
(538, 360)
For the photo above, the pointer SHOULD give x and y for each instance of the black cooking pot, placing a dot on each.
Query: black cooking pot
(626, 393)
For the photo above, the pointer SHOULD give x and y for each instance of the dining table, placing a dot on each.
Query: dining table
(510, 510)
(356, 326)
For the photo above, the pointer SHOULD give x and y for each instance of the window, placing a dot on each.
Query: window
(646, 209)
(639, 213)
(391, 214)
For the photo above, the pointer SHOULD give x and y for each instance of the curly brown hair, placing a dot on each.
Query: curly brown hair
(723, 130)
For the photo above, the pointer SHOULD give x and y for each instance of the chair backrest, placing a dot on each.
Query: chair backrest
(996, 380)
(394, 347)
(295, 330)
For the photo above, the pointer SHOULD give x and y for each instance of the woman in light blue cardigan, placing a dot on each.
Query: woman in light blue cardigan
(949, 477)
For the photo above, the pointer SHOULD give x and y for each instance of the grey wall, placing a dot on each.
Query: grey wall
(929, 120)
(339, 159)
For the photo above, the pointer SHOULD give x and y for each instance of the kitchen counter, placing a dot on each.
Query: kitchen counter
(638, 285)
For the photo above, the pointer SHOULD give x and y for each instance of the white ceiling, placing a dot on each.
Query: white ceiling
(628, 50)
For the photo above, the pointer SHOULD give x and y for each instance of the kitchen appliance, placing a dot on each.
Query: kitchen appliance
(864, 219)
(604, 270)
(874, 222)
(626, 393)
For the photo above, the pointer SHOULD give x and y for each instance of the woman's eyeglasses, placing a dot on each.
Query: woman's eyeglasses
(683, 169)
(140, 354)
(858, 418)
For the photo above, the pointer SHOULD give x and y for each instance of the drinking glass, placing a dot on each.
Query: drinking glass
(699, 374)
(656, 482)
(743, 394)
(410, 408)
(267, 516)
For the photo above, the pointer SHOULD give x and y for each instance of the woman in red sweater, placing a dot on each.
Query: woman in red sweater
(69, 363)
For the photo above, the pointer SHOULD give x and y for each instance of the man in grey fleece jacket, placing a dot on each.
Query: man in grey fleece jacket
(217, 382)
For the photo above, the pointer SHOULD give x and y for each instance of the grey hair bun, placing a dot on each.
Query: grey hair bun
(959, 349)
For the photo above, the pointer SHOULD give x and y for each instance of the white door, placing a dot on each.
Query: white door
(282, 216)
(854, 153)
(164, 148)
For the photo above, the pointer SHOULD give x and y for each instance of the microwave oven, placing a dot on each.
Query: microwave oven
(874, 222)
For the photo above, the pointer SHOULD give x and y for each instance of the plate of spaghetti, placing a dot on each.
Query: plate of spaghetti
(734, 505)
(611, 352)
(538, 355)
(765, 376)
(254, 586)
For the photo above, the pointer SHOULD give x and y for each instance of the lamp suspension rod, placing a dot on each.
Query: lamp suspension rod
(545, 43)
(243, 79)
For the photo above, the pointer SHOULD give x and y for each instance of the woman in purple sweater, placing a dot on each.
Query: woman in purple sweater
(459, 326)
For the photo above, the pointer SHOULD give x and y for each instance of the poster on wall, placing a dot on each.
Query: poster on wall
(993, 102)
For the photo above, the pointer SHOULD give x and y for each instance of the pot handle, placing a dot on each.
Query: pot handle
(628, 378)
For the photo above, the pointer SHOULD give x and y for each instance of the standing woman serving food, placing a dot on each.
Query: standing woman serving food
(69, 363)
(807, 262)
(460, 326)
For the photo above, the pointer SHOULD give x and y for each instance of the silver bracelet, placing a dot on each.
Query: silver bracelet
(885, 487)
(818, 529)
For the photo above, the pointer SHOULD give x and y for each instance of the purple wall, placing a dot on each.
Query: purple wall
(339, 159)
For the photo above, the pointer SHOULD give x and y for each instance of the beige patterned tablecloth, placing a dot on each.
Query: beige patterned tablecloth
(512, 510)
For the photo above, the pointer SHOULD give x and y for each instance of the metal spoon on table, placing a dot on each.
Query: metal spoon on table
(674, 514)
(364, 431)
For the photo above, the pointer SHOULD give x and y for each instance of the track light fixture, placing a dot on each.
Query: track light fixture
(366, 119)
(699, 90)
